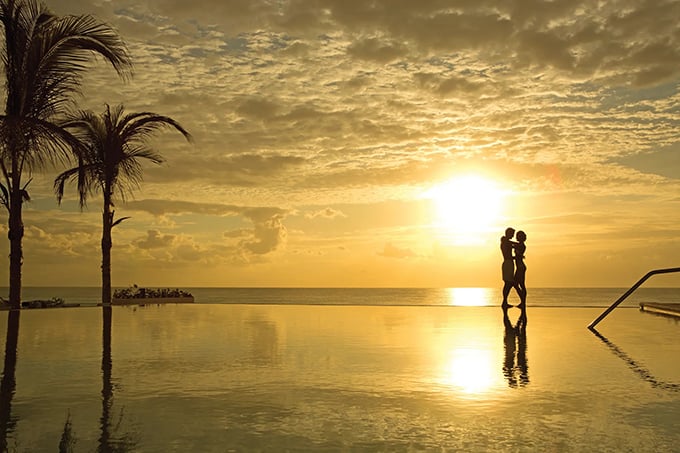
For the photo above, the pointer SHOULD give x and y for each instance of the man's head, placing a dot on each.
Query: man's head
(509, 232)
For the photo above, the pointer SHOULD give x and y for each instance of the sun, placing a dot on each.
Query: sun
(467, 208)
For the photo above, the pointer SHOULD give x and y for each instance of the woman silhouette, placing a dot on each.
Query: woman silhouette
(520, 268)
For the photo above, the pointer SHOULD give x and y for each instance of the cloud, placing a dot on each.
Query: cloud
(374, 49)
(454, 85)
(258, 108)
(392, 251)
(326, 107)
(327, 213)
(268, 234)
(167, 207)
(168, 250)
(664, 162)
(247, 169)
(273, 107)
(190, 252)
(155, 239)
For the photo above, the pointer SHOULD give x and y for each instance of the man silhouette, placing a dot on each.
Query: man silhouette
(508, 267)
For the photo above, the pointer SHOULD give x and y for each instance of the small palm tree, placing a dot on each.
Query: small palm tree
(114, 144)
(44, 58)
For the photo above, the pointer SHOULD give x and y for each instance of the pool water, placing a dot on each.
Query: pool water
(216, 378)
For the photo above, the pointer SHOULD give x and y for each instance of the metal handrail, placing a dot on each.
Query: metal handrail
(630, 291)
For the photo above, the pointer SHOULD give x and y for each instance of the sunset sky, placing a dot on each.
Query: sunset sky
(383, 143)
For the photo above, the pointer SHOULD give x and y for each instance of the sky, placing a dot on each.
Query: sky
(383, 143)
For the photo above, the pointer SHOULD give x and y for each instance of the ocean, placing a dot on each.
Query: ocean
(342, 370)
(537, 297)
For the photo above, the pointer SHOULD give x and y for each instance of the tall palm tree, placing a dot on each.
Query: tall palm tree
(115, 144)
(45, 57)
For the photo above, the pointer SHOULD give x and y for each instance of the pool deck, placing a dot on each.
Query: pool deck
(662, 309)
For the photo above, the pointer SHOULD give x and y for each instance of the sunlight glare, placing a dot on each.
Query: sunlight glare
(467, 208)
(470, 370)
(470, 297)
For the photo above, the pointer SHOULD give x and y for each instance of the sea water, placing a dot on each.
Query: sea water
(538, 297)
(330, 375)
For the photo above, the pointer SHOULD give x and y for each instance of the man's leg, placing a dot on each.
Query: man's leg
(506, 292)
(522, 293)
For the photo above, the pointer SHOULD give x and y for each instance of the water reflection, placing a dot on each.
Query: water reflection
(108, 442)
(470, 370)
(470, 297)
(8, 383)
(640, 370)
(515, 365)
(68, 438)
(107, 387)
(264, 342)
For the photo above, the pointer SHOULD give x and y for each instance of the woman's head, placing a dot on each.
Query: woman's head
(521, 236)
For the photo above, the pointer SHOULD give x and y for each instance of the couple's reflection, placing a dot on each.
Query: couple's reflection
(515, 365)
(8, 383)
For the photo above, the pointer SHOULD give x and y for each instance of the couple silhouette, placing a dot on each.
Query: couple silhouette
(515, 366)
(513, 268)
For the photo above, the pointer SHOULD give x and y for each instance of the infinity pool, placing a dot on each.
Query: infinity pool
(216, 378)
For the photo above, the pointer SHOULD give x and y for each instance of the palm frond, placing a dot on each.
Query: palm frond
(60, 182)
(49, 144)
(142, 152)
(82, 175)
(45, 57)
(140, 126)
(116, 148)
(87, 33)
(119, 221)
(55, 62)
(24, 191)
(4, 196)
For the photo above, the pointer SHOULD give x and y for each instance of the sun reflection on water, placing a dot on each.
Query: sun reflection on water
(470, 297)
(470, 370)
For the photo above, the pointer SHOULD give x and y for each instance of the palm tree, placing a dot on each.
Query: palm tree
(44, 58)
(115, 144)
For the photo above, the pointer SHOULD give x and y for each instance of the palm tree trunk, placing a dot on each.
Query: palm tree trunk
(15, 234)
(107, 222)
